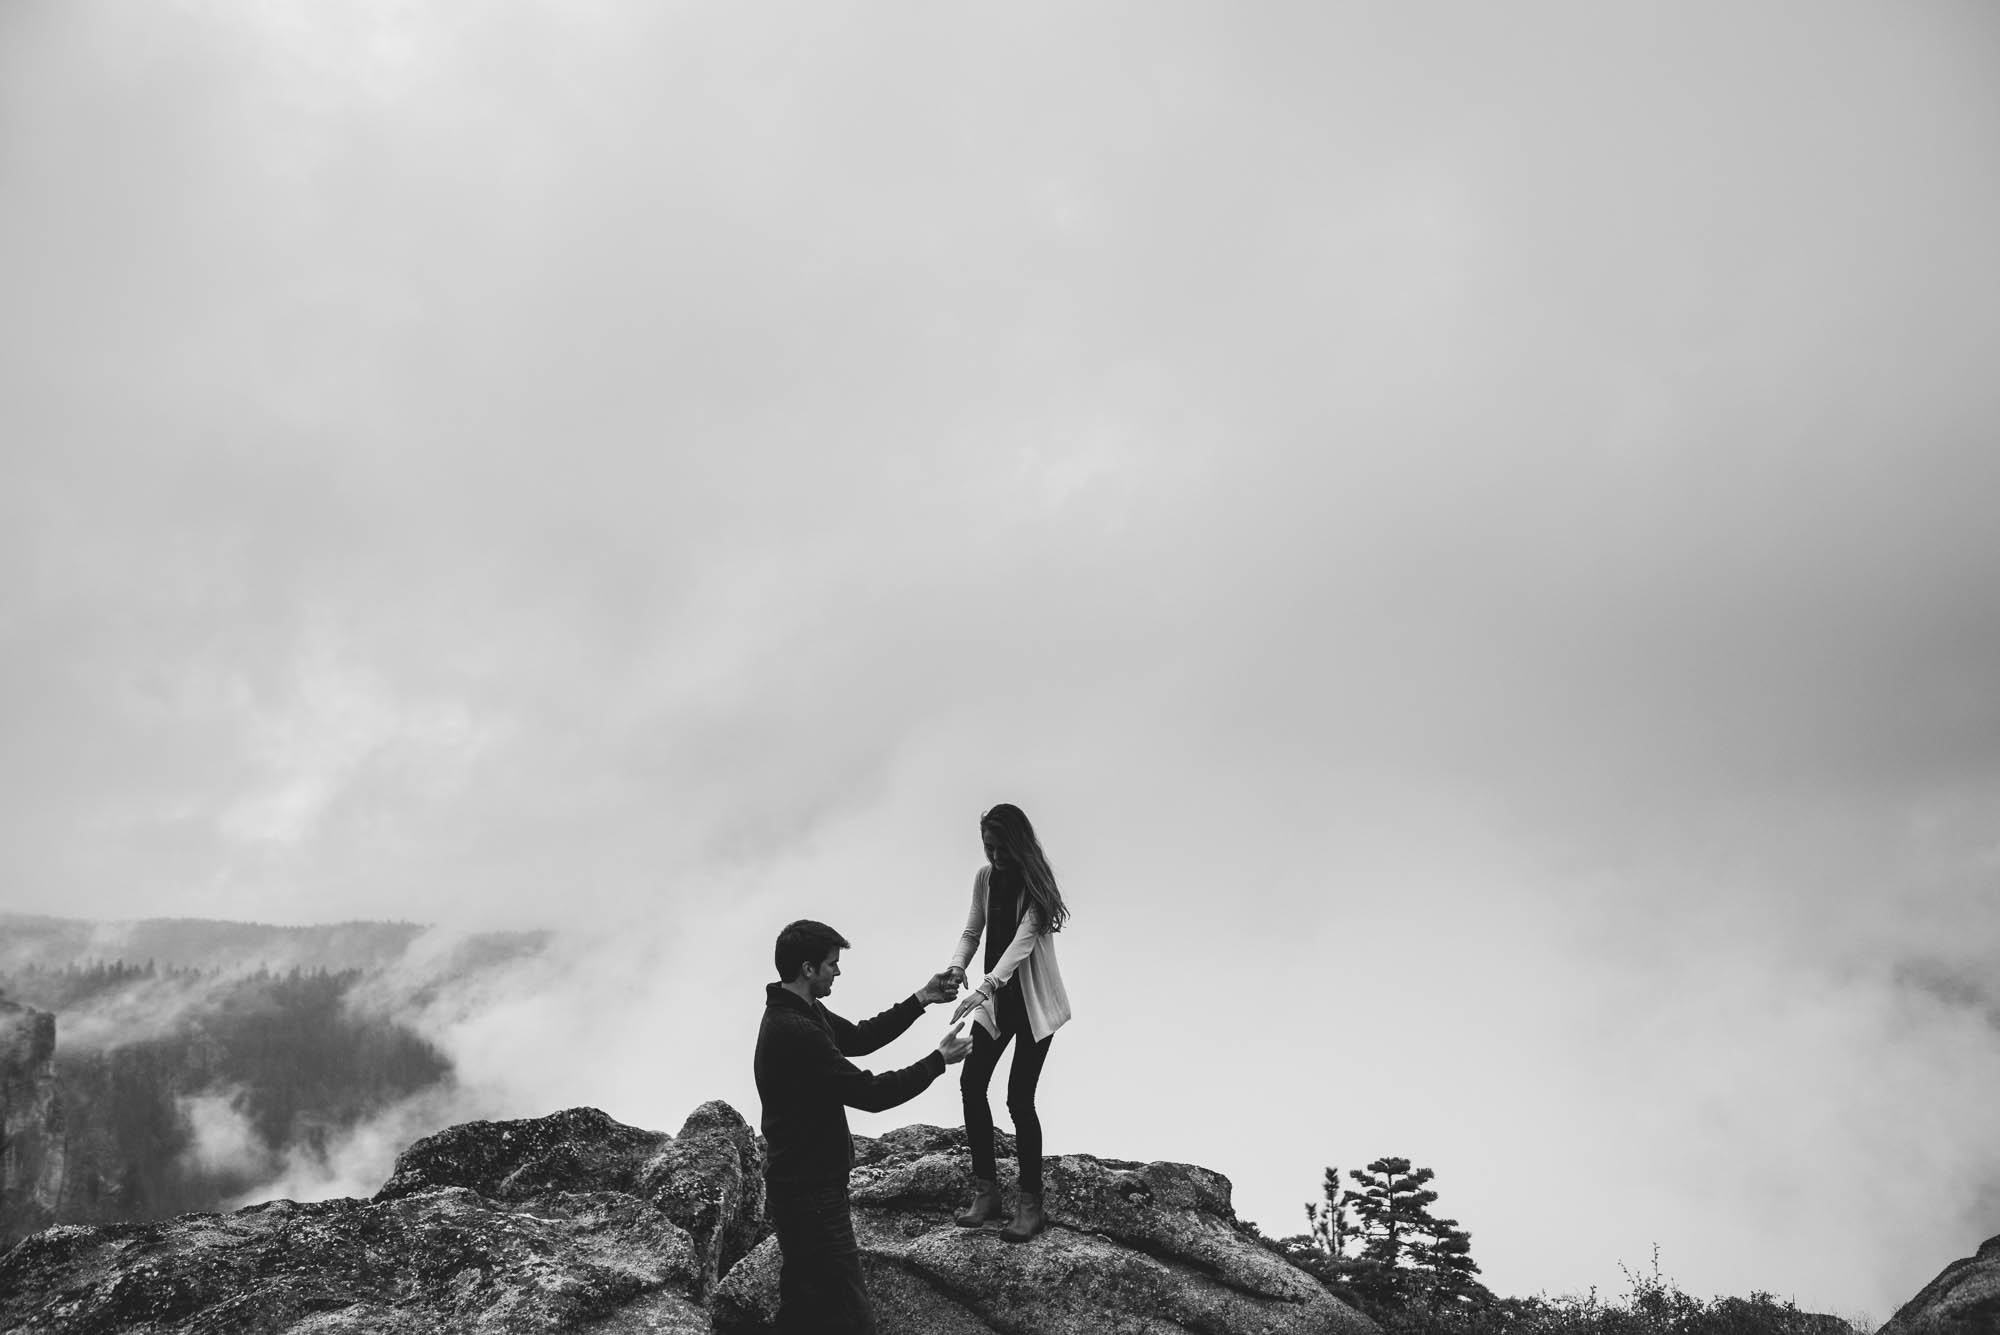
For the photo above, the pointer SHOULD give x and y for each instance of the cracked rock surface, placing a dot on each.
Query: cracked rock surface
(577, 1222)
(567, 1222)
(1131, 1248)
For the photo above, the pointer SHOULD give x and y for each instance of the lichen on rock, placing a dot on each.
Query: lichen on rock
(576, 1221)
(1138, 1248)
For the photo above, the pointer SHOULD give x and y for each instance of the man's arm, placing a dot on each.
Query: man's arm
(858, 1040)
(878, 1093)
(819, 1064)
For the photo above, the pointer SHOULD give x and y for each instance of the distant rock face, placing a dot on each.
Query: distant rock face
(575, 1220)
(1963, 1300)
(31, 1121)
(1136, 1248)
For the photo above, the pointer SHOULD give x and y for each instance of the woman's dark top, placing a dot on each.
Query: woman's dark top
(1003, 913)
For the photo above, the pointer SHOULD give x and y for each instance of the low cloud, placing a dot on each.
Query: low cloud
(357, 1161)
(1473, 536)
(143, 1011)
(223, 1141)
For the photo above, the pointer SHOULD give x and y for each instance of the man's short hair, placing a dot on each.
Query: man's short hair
(805, 942)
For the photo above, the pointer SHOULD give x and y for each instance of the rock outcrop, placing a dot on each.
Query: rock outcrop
(1141, 1249)
(31, 1121)
(1963, 1300)
(553, 1224)
(578, 1222)
(708, 1180)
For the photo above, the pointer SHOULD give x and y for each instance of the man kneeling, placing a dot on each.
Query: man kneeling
(806, 1084)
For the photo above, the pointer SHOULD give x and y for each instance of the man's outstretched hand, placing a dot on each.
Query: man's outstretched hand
(941, 987)
(953, 1046)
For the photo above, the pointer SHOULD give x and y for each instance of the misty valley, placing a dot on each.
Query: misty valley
(191, 1066)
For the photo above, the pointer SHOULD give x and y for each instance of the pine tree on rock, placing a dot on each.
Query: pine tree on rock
(1331, 1228)
(1392, 1206)
(1442, 1252)
(1405, 1252)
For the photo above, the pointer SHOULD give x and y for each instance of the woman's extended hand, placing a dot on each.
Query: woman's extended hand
(972, 1002)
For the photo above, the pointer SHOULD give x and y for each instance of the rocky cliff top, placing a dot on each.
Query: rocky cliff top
(578, 1222)
(1963, 1300)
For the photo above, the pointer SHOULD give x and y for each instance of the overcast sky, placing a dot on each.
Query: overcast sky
(1469, 528)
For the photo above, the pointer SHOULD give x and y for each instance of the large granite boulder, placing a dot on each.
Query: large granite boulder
(1132, 1248)
(578, 1222)
(1963, 1300)
(549, 1224)
(525, 1160)
(710, 1180)
(431, 1263)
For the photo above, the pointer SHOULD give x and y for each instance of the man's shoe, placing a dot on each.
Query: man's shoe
(985, 1205)
(1028, 1218)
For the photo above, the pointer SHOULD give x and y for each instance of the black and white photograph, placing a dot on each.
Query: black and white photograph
(1187, 667)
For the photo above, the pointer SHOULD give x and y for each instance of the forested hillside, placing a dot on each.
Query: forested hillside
(183, 1088)
(202, 943)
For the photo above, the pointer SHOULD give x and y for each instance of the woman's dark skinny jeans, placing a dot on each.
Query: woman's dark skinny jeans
(1022, 1078)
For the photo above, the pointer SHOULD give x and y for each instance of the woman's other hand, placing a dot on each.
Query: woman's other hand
(972, 1002)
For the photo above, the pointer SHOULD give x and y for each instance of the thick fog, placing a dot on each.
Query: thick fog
(1469, 530)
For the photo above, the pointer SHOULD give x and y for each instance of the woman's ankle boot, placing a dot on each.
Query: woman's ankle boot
(1028, 1218)
(985, 1205)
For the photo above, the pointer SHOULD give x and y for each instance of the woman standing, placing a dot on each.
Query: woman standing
(1016, 905)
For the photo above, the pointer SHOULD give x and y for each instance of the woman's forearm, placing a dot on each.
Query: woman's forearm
(1018, 950)
(975, 925)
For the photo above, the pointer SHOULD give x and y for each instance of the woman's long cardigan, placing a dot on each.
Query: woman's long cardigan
(1031, 955)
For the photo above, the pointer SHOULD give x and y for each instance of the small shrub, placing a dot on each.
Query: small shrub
(1654, 1304)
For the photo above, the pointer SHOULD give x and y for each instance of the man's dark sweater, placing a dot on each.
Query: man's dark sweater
(807, 1084)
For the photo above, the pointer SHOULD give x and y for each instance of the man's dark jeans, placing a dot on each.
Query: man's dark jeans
(820, 1289)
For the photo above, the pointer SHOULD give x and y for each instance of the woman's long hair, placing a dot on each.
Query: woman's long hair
(1016, 838)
